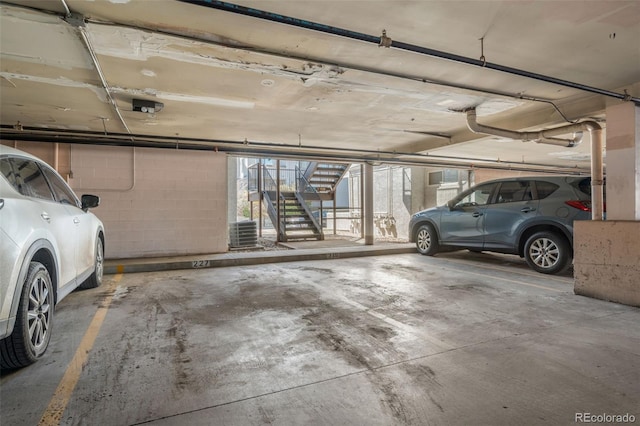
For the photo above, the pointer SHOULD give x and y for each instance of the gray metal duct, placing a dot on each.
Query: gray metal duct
(547, 137)
(542, 136)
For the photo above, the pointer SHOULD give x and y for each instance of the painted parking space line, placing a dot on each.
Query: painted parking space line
(509, 280)
(54, 411)
(510, 270)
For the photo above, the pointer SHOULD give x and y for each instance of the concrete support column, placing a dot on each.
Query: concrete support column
(232, 189)
(368, 204)
(607, 253)
(418, 189)
(623, 162)
(279, 213)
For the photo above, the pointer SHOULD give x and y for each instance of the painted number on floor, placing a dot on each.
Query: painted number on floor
(200, 264)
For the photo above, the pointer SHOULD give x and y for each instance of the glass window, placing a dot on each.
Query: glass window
(63, 193)
(544, 189)
(444, 176)
(477, 197)
(511, 192)
(30, 180)
(6, 169)
(584, 185)
(435, 178)
(450, 175)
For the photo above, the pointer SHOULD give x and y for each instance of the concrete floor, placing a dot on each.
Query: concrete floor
(457, 339)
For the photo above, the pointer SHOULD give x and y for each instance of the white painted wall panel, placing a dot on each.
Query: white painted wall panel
(155, 202)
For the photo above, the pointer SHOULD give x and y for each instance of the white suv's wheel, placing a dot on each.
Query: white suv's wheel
(32, 330)
(95, 280)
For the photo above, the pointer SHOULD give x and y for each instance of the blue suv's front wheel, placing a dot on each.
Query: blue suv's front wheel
(427, 240)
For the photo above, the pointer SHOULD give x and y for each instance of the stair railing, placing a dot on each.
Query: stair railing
(303, 187)
(311, 168)
(252, 178)
(270, 191)
(304, 192)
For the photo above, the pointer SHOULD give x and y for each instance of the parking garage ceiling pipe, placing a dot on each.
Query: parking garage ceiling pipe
(541, 136)
(269, 149)
(388, 42)
(78, 21)
(547, 137)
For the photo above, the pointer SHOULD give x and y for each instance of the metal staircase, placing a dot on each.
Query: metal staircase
(290, 208)
(297, 222)
(325, 177)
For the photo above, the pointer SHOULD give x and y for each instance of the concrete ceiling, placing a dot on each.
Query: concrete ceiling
(232, 78)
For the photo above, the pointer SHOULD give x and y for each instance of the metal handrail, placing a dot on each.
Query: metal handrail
(302, 184)
(310, 168)
(303, 187)
(270, 189)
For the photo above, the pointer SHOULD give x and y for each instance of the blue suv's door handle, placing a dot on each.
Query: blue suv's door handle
(477, 214)
(527, 209)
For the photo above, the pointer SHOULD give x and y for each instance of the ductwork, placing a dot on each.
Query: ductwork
(547, 137)
(542, 136)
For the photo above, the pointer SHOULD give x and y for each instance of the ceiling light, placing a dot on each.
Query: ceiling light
(150, 107)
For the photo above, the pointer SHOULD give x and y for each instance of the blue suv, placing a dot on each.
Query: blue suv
(528, 216)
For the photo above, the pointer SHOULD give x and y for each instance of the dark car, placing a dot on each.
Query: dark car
(528, 216)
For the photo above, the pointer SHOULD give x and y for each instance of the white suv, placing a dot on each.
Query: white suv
(49, 245)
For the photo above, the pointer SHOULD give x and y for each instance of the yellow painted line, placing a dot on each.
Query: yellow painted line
(53, 414)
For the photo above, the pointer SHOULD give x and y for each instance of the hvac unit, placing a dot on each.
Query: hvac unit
(243, 234)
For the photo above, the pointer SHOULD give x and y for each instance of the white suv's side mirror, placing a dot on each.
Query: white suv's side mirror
(90, 201)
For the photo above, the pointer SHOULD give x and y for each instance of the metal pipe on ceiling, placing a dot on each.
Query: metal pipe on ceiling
(274, 150)
(546, 136)
(66, 8)
(387, 42)
(541, 136)
(79, 22)
(103, 80)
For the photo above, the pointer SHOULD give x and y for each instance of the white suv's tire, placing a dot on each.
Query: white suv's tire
(34, 320)
(95, 280)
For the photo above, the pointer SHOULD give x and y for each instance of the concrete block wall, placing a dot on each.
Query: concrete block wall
(155, 202)
(607, 260)
(56, 155)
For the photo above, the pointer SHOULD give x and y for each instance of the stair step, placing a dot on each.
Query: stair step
(330, 167)
(301, 233)
(322, 181)
(332, 172)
